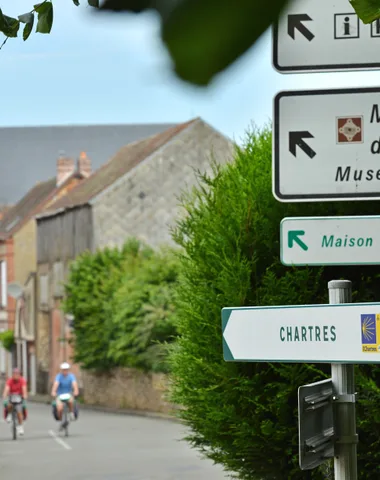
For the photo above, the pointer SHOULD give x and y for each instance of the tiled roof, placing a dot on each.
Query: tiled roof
(32, 151)
(124, 160)
(4, 209)
(26, 206)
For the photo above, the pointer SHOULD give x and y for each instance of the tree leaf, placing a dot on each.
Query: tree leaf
(135, 6)
(27, 31)
(76, 2)
(206, 36)
(367, 10)
(8, 25)
(28, 19)
(93, 3)
(42, 7)
(45, 17)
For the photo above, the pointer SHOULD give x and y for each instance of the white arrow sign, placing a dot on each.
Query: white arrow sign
(347, 333)
(327, 145)
(324, 35)
(330, 241)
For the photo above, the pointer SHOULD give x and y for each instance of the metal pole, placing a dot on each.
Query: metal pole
(345, 460)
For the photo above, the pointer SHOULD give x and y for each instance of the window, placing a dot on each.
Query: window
(3, 284)
(44, 290)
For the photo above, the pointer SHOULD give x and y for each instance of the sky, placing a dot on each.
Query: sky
(101, 68)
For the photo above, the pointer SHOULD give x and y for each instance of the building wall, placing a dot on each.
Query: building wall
(8, 312)
(144, 203)
(64, 236)
(7, 255)
(61, 350)
(29, 307)
(3, 250)
(60, 239)
(53, 334)
(129, 389)
(3, 311)
(25, 255)
(56, 352)
(4, 356)
(42, 333)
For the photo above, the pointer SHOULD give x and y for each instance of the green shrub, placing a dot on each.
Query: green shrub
(244, 415)
(7, 339)
(93, 279)
(122, 302)
(143, 311)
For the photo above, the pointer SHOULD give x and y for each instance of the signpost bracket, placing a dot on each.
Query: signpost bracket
(345, 398)
(347, 439)
(315, 423)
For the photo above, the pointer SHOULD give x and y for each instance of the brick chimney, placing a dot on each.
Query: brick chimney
(65, 168)
(84, 165)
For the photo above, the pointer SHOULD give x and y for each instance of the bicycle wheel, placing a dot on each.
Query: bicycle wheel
(14, 424)
(66, 422)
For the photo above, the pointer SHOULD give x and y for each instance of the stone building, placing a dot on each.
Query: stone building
(30, 150)
(134, 194)
(18, 261)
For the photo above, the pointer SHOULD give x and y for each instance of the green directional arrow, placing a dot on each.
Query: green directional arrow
(293, 237)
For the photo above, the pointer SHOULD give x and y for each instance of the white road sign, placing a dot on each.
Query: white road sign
(324, 35)
(330, 241)
(326, 145)
(347, 333)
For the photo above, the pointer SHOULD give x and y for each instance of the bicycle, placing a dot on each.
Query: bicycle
(15, 400)
(64, 398)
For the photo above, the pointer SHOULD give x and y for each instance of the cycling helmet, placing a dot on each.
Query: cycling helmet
(65, 366)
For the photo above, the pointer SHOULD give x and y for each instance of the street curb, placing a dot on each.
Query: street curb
(113, 410)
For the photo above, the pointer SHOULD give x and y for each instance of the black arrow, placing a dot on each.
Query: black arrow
(295, 23)
(297, 138)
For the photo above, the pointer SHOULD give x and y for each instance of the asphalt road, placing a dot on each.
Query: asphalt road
(101, 446)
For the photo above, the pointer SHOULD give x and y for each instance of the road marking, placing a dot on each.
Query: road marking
(59, 440)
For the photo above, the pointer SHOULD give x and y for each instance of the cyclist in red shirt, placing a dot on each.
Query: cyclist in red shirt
(16, 385)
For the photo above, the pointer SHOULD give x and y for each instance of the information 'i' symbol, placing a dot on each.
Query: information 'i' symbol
(377, 24)
(347, 27)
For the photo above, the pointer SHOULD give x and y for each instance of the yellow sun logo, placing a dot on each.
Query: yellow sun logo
(369, 328)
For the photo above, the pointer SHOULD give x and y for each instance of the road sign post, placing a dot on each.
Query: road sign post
(340, 333)
(330, 240)
(321, 35)
(326, 145)
(345, 461)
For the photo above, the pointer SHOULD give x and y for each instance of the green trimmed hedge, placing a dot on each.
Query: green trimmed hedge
(122, 302)
(244, 415)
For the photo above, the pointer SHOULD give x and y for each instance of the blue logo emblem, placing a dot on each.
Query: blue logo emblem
(369, 329)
